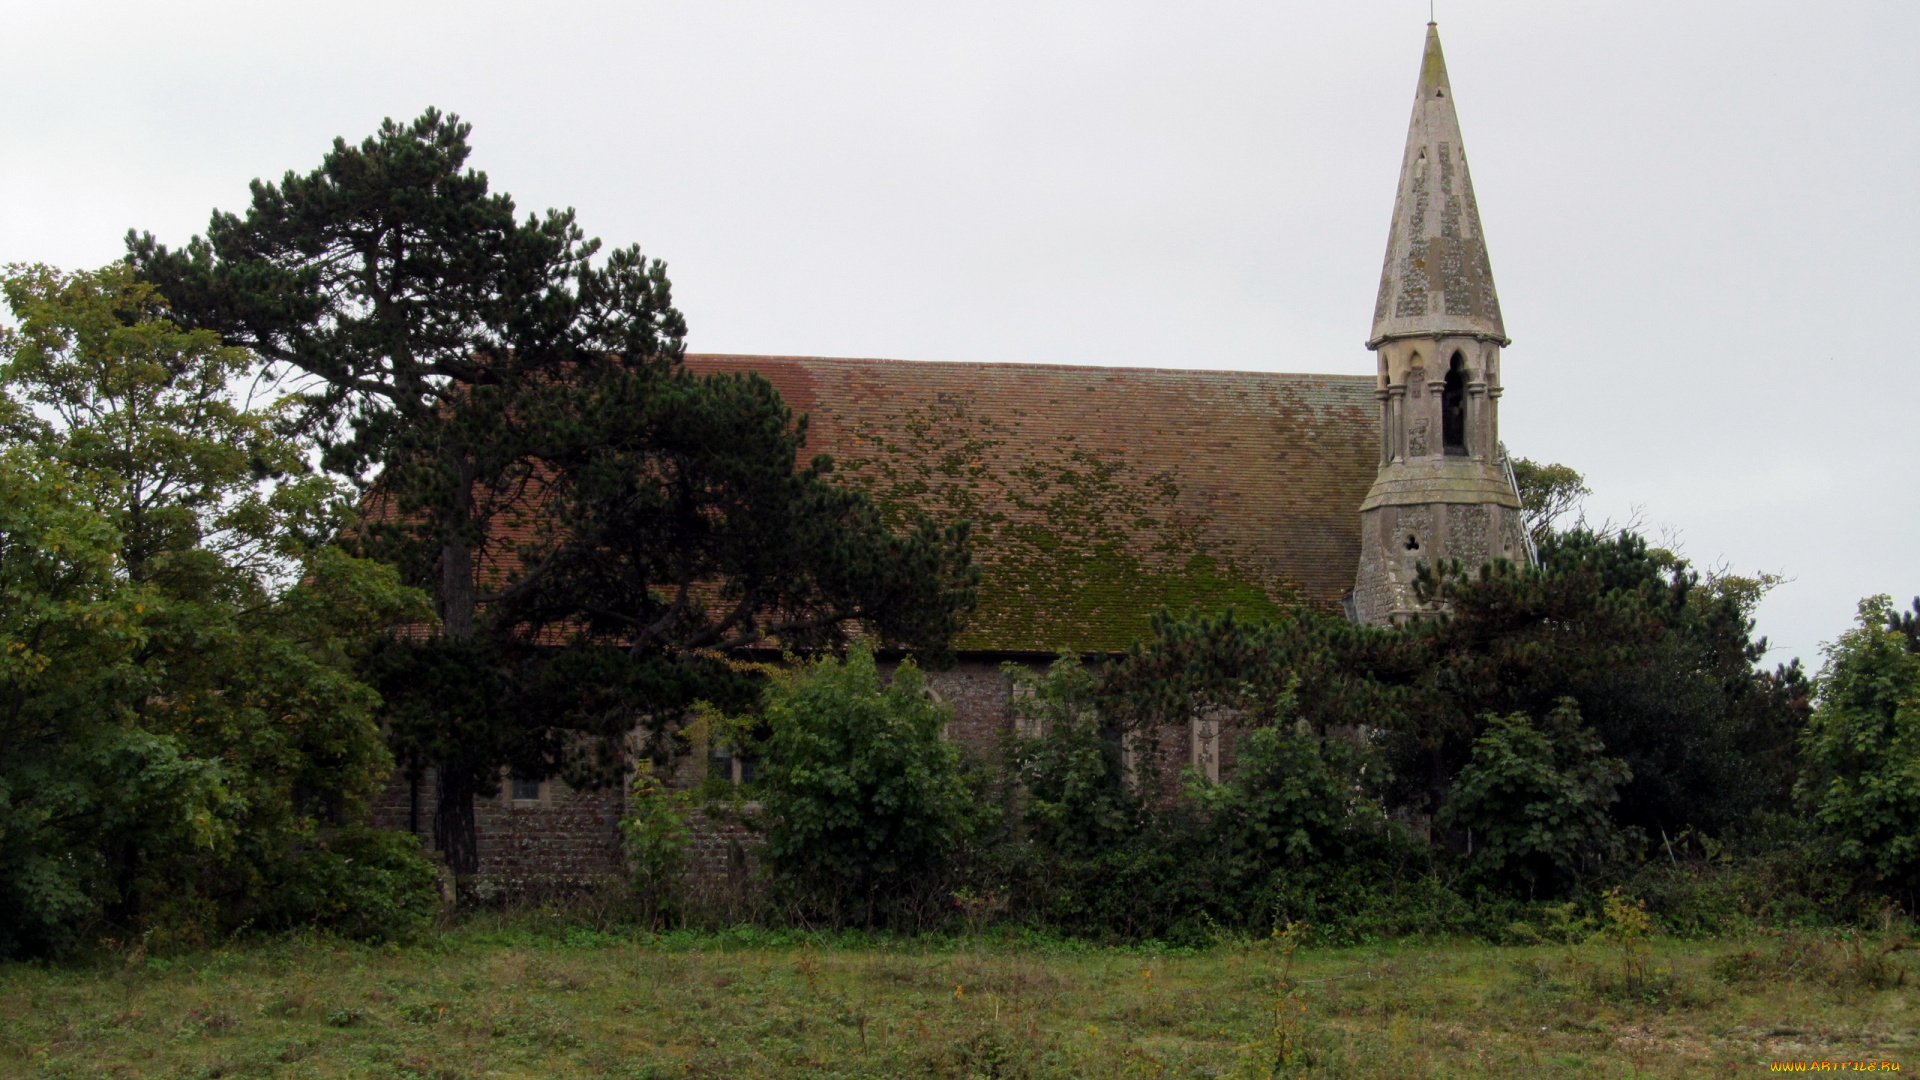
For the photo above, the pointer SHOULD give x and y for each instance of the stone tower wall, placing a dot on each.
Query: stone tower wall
(1474, 533)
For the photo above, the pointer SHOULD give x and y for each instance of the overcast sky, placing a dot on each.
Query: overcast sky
(1701, 214)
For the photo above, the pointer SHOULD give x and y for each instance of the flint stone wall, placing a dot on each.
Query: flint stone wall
(569, 836)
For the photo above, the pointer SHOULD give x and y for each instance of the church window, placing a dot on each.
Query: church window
(1453, 408)
(730, 766)
(526, 788)
(1413, 542)
(1204, 753)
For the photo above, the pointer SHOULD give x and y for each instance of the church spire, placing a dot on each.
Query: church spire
(1436, 279)
(1443, 491)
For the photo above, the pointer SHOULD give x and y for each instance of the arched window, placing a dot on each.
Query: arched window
(1453, 408)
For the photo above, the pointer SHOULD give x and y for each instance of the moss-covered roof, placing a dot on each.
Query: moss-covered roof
(1099, 495)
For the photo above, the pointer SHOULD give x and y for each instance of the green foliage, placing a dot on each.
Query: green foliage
(536, 458)
(1075, 796)
(80, 782)
(1535, 799)
(863, 796)
(143, 412)
(359, 882)
(1549, 492)
(1295, 800)
(1662, 669)
(181, 711)
(1862, 749)
(656, 837)
(1293, 829)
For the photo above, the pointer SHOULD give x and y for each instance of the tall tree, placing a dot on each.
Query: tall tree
(179, 706)
(421, 321)
(424, 317)
(482, 372)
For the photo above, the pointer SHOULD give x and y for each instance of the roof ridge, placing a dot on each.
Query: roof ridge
(1240, 372)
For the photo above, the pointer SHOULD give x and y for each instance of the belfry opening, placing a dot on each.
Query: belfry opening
(1453, 408)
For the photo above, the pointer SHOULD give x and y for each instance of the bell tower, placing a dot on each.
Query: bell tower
(1443, 490)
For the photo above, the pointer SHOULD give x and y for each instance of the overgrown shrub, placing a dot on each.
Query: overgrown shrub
(177, 700)
(1534, 798)
(358, 882)
(1293, 833)
(1862, 750)
(1297, 799)
(656, 837)
(863, 796)
(1065, 756)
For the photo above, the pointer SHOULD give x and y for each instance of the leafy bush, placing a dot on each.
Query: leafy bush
(863, 796)
(1862, 749)
(1297, 799)
(80, 782)
(1075, 795)
(656, 838)
(359, 882)
(176, 640)
(1535, 798)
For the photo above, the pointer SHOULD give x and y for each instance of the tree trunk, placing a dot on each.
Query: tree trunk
(456, 556)
(456, 589)
(453, 830)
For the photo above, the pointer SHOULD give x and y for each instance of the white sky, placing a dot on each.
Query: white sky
(1701, 215)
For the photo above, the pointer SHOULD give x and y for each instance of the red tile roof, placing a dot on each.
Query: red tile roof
(1100, 495)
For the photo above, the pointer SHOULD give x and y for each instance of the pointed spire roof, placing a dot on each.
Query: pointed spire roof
(1436, 279)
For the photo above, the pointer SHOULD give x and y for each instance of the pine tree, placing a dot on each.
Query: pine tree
(474, 370)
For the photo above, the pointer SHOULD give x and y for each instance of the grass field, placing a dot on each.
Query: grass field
(500, 1000)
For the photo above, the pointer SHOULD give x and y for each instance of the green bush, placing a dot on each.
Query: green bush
(1074, 792)
(863, 796)
(1297, 799)
(1862, 749)
(656, 838)
(1535, 798)
(177, 642)
(359, 882)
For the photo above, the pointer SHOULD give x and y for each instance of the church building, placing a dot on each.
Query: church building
(1100, 495)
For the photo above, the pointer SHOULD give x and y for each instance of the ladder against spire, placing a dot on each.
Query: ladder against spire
(1443, 490)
